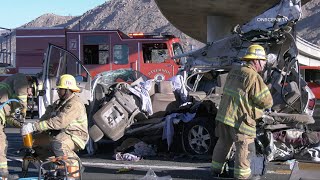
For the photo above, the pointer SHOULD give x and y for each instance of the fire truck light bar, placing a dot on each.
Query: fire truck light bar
(140, 35)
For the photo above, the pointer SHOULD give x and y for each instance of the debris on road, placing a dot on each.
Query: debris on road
(151, 175)
(124, 170)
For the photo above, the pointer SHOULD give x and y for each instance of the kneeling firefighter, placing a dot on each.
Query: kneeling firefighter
(63, 129)
(16, 87)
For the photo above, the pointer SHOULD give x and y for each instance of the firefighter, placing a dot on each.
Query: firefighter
(63, 127)
(13, 87)
(245, 97)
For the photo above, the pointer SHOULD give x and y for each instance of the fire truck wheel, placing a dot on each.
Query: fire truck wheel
(198, 136)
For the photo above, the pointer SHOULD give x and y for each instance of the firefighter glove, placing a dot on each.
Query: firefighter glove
(11, 120)
(27, 129)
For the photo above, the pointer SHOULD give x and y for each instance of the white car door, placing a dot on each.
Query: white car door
(59, 61)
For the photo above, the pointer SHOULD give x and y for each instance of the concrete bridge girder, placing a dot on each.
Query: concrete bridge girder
(198, 17)
(191, 16)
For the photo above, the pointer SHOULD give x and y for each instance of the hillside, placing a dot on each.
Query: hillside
(144, 16)
(126, 15)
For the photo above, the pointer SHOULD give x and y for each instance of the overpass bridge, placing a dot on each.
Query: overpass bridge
(309, 54)
(207, 20)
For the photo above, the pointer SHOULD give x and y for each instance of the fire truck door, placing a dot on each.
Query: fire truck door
(120, 57)
(156, 62)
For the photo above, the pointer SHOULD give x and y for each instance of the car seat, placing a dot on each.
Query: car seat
(164, 100)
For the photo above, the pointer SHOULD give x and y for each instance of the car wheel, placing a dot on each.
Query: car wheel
(198, 136)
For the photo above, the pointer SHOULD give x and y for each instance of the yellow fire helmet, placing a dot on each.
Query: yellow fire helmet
(67, 81)
(255, 52)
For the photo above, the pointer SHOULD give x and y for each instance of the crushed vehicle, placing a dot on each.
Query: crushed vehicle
(285, 128)
(182, 110)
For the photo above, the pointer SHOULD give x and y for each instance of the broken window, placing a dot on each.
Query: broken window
(177, 49)
(155, 52)
(95, 50)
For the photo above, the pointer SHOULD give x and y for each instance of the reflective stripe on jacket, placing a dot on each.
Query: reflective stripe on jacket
(4, 165)
(13, 87)
(69, 116)
(17, 86)
(245, 97)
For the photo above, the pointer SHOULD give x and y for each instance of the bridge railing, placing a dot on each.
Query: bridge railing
(307, 43)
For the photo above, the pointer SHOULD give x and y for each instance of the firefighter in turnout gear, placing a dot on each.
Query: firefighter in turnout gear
(64, 126)
(13, 87)
(245, 97)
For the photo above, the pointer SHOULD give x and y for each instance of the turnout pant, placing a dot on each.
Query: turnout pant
(244, 145)
(3, 152)
(60, 145)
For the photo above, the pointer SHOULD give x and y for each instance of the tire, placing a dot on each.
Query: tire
(198, 136)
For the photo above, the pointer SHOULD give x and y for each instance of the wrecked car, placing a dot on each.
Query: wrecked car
(284, 129)
(146, 109)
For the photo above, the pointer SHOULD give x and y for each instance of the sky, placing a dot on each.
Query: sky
(14, 13)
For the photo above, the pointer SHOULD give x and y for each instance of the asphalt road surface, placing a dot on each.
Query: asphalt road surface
(103, 165)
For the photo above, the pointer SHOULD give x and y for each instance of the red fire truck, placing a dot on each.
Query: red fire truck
(100, 50)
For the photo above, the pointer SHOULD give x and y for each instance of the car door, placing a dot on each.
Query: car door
(59, 61)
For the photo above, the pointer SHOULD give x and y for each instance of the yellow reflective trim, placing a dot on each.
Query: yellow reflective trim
(23, 98)
(43, 126)
(217, 166)
(227, 121)
(244, 128)
(7, 87)
(80, 122)
(78, 141)
(2, 117)
(247, 130)
(2, 84)
(263, 93)
(3, 165)
(259, 110)
(239, 97)
(242, 172)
